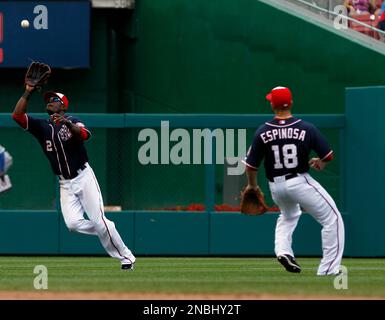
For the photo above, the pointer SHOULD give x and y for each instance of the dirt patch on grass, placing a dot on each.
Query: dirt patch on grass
(50, 295)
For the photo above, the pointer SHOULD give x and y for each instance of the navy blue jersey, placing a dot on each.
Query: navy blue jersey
(286, 145)
(65, 153)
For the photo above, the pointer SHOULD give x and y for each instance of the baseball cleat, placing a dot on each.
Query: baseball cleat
(128, 266)
(289, 263)
(337, 273)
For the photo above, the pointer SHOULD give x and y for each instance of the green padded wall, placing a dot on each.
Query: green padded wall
(156, 233)
(187, 56)
(29, 232)
(365, 172)
(222, 56)
(178, 233)
(236, 234)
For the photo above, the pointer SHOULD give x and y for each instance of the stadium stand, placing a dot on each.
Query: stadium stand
(364, 16)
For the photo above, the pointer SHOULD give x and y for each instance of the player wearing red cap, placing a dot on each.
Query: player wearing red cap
(285, 143)
(62, 140)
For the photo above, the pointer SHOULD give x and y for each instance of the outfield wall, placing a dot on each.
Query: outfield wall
(188, 57)
(156, 233)
(153, 232)
(221, 233)
(194, 56)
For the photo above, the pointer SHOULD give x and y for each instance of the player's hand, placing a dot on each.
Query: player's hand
(29, 88)
(58, 118)
(317, 164)
(250, 187)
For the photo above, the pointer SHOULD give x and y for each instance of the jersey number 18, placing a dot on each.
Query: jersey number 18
(289, 152)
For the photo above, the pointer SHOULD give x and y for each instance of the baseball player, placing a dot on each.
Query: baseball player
(62, 139)
(285, 144)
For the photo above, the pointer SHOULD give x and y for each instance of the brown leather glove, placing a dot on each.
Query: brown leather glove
(253, 202)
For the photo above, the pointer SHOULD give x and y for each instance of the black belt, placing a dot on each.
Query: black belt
(288, 176)
(77, 172)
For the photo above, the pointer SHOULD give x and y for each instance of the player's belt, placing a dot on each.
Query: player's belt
(77, 172)
(289, 176)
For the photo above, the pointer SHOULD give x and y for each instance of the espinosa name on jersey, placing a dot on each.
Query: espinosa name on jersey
(283, 133)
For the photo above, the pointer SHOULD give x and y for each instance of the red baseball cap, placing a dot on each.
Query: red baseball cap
(280, 97)
(61, 96)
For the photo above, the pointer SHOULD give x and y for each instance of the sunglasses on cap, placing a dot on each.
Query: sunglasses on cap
(55, 99)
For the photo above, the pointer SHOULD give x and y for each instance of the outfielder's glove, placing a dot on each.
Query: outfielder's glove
(37, 75)
(253, 202)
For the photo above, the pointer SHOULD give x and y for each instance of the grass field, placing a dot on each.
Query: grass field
(252, 276)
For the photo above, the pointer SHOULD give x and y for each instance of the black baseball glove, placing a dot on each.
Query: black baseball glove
(37, 75)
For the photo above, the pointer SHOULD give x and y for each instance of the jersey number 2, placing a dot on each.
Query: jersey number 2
(48, 145)
(289, 152)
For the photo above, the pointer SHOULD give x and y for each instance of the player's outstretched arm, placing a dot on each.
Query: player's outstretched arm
(21, 105)
(19, 113)
(37, 75)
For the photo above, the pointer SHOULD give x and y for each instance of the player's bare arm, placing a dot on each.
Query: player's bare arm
(320, 164)
(19, 113)
(36, 76)
(21, 105)
(252, 182)
(317, 164)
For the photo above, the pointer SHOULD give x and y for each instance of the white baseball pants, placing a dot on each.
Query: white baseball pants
(82, 194)
(305, 192)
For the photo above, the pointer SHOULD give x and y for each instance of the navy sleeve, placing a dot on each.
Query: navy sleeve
(255, 153)
(319, 144)
(34, 126)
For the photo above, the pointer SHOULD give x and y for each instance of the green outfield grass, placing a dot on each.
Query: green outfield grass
(366, 277)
